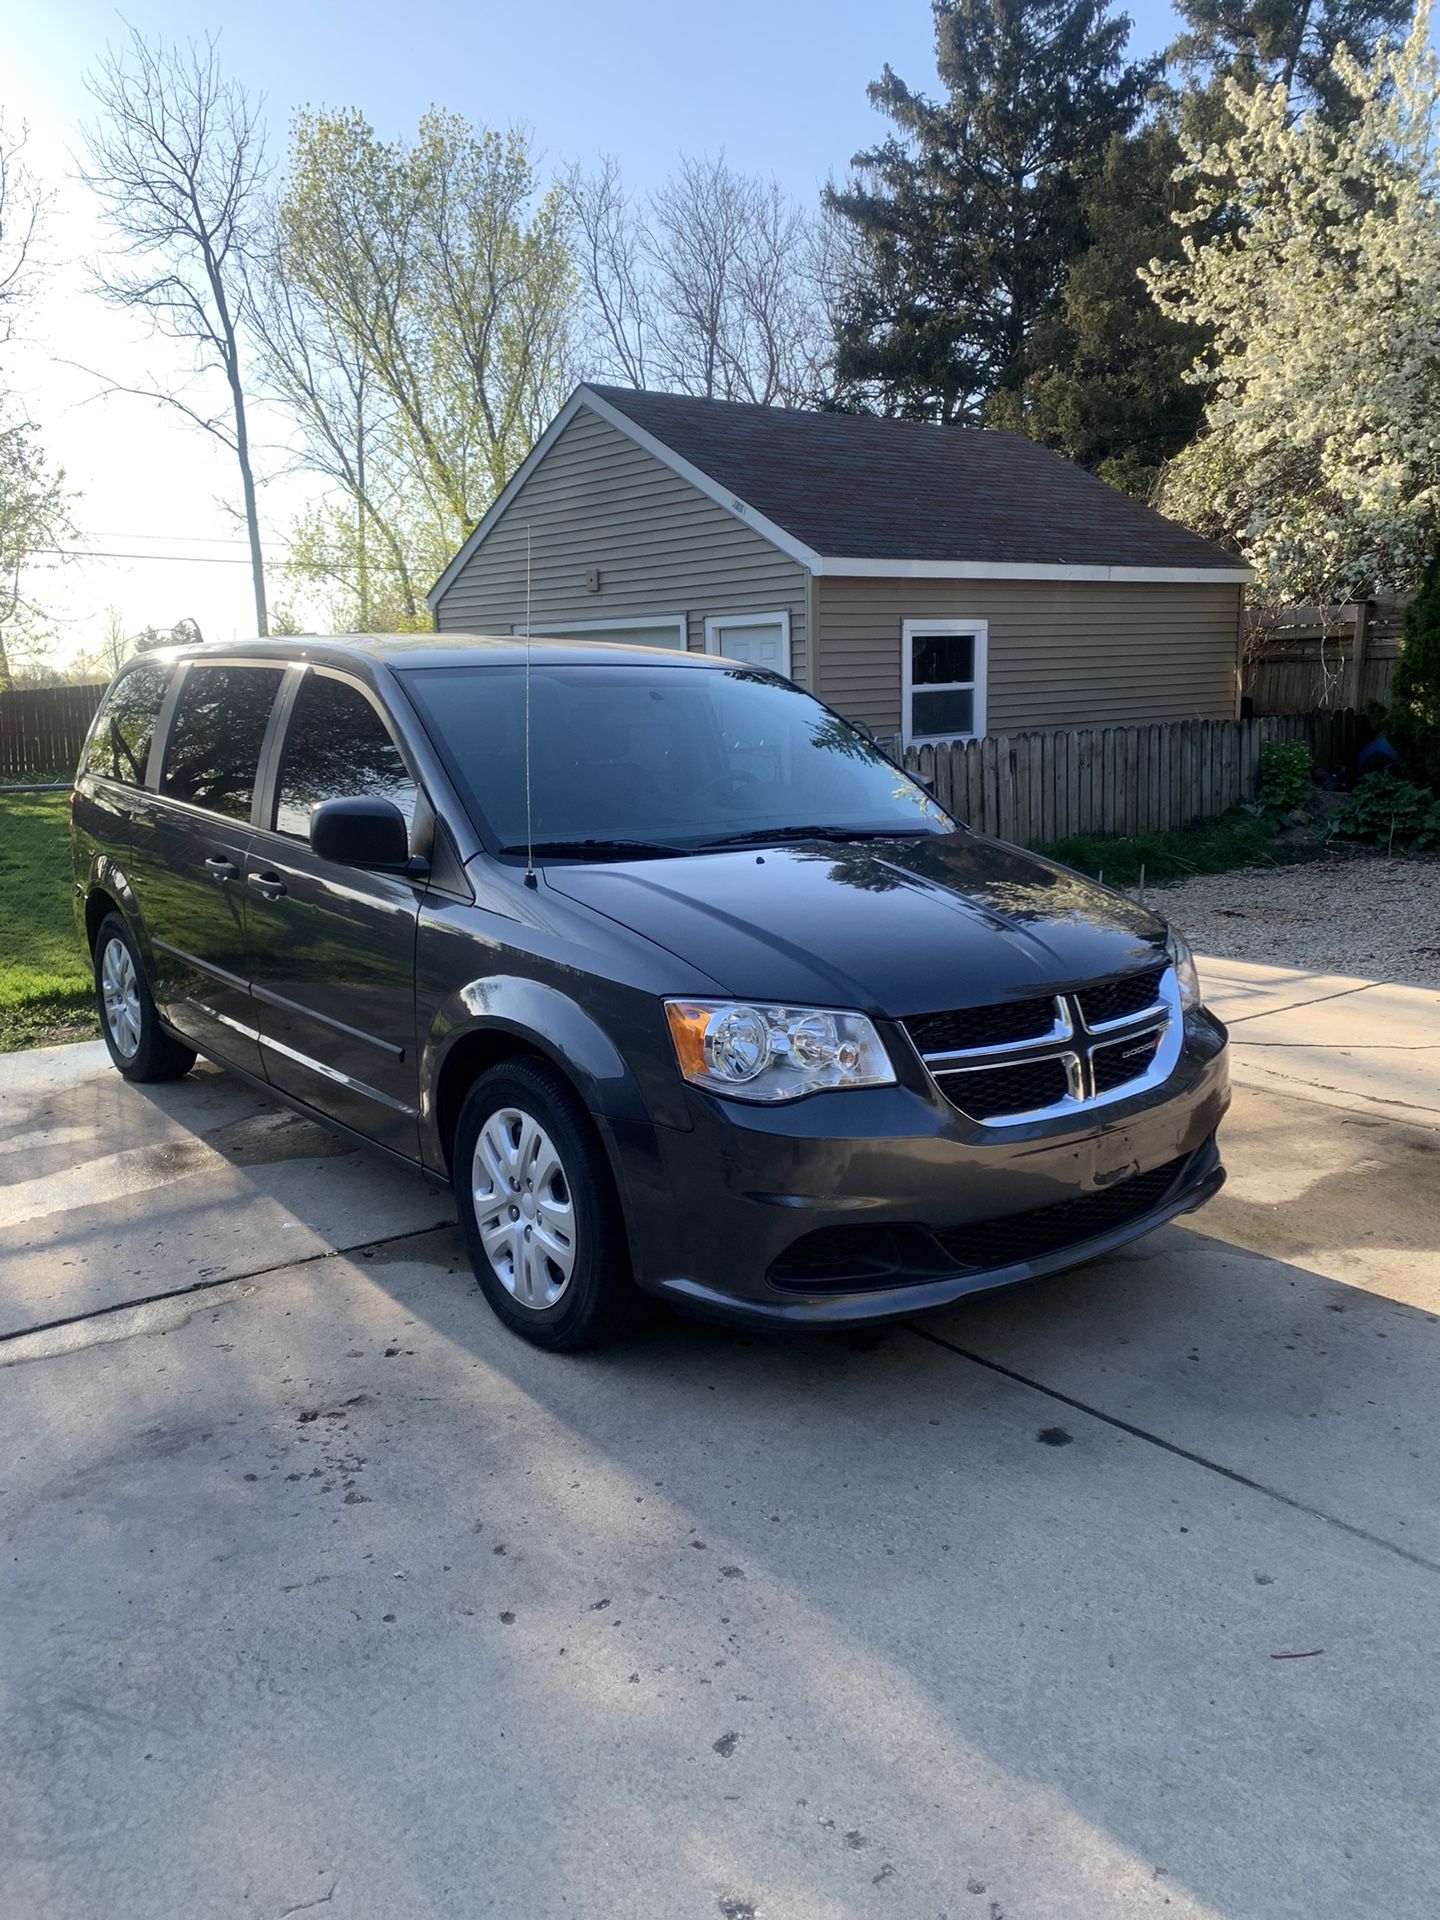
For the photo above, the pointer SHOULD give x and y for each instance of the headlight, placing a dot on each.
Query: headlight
(753, 1052)
(1183, 961)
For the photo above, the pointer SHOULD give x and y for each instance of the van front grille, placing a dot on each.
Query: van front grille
(1008, 1023)
(1123, 1060)
(1075, 1048)
(1123, 999)
(1022, 1086)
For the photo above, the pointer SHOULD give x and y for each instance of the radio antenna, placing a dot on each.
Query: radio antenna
(530, 880)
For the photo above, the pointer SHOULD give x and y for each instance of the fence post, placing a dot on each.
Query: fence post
(1352, 692)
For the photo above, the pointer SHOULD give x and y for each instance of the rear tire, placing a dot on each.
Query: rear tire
(138, 1044)
(538, 1209)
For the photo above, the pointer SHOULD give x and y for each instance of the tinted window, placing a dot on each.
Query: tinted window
(337, 747)
(120, 745)
(680, 755)
(213, 753)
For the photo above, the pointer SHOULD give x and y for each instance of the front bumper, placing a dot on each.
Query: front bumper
(722, 1216)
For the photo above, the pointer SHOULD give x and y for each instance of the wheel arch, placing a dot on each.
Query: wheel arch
(470, 1054)
(108, 891)
(503, 1016)
(99, 905)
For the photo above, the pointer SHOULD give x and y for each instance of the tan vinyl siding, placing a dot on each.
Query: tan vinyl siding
(1062, 653)
(598, 500)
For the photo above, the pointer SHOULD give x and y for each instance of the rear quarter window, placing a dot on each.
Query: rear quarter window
(125, 725)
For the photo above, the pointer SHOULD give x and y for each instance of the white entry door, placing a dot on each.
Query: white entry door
(762, 639)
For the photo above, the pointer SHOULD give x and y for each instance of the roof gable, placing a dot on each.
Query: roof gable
(853, 494)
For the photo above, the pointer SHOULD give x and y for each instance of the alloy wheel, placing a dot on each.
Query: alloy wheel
(120, 993)
(524, 1208)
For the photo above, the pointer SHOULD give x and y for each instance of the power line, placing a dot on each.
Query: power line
(186, 539)
(214, 560)
(105, 553)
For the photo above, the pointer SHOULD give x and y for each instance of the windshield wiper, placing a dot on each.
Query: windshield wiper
(758, 836)
(599, 849)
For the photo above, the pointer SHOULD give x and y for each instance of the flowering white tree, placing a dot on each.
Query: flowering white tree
(1319, 274)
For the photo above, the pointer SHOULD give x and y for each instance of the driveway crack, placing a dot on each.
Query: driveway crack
(1181, 1453)
(219, 1280)
(307, 1906)
(1291, 1006)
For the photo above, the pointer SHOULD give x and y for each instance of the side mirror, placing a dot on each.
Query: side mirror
(361, 832)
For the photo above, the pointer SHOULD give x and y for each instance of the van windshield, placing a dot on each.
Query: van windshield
(628, 760)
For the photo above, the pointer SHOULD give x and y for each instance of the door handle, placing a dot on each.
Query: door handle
(268, 885)
(219, 868)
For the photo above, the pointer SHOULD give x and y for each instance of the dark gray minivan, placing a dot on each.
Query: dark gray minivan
(676, 978)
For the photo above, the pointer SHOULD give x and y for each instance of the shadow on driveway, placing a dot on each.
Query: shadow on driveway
(322, 1588)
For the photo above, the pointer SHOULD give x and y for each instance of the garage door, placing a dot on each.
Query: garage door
(669, 632)
(761, 638)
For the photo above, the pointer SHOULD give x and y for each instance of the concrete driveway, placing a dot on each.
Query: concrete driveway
(1117, 1595)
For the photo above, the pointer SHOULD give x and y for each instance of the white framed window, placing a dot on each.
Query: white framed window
(942, 680)
(660, 630)
(761, 638)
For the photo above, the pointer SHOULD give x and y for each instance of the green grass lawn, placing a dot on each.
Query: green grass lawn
(45, 986)
(1234, 839)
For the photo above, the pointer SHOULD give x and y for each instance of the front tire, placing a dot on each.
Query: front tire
(538, 1208)
(138, 1044)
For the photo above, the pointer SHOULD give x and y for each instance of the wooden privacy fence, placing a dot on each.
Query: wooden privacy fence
(1302, 658)
(1039, 787)
(42, 729)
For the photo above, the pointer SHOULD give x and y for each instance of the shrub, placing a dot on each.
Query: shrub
(1413, 722)
(1284, 775)
(1387, 809)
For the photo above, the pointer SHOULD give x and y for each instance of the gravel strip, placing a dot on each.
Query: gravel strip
(1364, 915)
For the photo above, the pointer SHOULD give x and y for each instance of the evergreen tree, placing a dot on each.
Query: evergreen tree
(1289, 43)
(966, 219)
(1109, 388)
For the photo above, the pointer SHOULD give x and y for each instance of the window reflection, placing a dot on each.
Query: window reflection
(337, 747)
(121, 744)
(213, 754)
(673, 754)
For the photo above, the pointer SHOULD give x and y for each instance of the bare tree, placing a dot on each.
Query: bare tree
(613, 272)
(22, 205)
(316, 366)
(177, 158)
(699, 226)
(713, 286)
(115, 643)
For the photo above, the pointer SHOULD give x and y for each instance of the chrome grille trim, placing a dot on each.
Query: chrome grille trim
(1074, 1073)
(1156, 1011)
(1063, 1029)
(1166, 1016)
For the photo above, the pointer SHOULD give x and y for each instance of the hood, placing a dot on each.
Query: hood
(896, 927)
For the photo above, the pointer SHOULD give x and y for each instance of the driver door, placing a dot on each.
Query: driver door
(332, 948)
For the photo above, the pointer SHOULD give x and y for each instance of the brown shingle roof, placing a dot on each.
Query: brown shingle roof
(852, 486)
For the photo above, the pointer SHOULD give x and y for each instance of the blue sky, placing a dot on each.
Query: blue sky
(779, 86)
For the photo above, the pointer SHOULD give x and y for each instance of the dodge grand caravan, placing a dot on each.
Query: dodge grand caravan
(700, 994)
